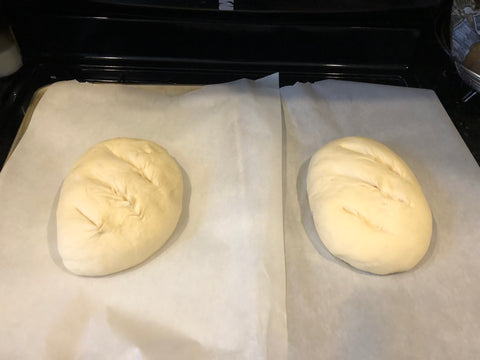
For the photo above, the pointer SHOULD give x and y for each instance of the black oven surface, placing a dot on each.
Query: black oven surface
(137, 42)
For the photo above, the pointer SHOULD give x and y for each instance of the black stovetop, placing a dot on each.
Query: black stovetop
(142, 44)
(16, 91)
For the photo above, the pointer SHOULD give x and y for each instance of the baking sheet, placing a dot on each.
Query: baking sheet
(215, 290)
(336, 312)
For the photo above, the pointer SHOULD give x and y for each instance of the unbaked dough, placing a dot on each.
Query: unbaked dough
(368, 207)
(118, 205)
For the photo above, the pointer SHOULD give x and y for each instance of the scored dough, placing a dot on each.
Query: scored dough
(369, 209)
(118, 205)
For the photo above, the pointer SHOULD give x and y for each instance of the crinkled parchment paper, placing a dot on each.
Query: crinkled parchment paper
(216, 290)
(337, 312)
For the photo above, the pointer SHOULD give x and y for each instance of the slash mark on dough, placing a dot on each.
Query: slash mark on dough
(88, 219)
(363, 219)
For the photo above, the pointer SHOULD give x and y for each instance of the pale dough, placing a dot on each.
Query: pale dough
(118, 205)
(368, 207)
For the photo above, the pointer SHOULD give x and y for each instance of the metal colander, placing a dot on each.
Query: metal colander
(471, 78)
(443, 34)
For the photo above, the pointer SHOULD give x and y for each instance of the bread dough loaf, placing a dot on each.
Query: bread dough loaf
(118, 205)
(369, 209)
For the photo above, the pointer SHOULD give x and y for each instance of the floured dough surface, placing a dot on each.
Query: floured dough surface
(118, 205)
(369, 209)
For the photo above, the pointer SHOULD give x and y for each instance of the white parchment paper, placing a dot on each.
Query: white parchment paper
(217, 288)
(336, 312)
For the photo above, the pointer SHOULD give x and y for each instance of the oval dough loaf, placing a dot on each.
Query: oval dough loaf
(118, 205)
(369, 209)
